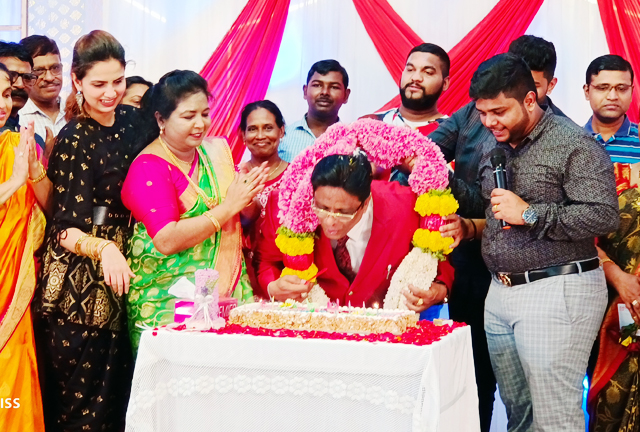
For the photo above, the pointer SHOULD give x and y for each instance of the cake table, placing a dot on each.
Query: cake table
(187, 381)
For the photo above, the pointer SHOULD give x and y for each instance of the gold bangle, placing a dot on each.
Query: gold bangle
(101, 248)
(78, 247)
(214, 221)
(605, 260)
(41, 176)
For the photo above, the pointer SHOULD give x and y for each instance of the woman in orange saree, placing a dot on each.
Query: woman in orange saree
(21, 231)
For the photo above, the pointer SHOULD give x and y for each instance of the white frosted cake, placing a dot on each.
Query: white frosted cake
(309, 316)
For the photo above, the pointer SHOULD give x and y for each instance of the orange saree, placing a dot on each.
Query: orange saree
(21, 232)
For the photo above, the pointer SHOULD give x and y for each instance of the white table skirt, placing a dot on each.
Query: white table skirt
(207, 382)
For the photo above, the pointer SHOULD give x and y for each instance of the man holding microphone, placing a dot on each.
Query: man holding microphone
(548, 292)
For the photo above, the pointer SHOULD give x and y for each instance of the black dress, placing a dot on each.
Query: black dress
(81, 337)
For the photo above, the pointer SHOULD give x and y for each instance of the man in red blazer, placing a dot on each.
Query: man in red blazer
(373, 221)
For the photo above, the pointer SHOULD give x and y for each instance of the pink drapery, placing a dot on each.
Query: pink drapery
(240, 69)
(393, 39)
(621, 21)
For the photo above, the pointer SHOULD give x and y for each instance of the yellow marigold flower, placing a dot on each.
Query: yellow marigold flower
(436, 202)
(307, 274)
(294, 246)
(432, 240)
(627, 341)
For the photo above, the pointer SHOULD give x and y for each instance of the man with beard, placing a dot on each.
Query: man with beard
(609, 90)
(44, 107)
(548, 292)
(19, 63)
(425, 77)
(325, 92)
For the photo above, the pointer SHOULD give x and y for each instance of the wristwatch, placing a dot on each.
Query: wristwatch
(529, 216)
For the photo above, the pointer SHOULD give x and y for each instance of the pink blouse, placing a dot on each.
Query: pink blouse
(152, 190)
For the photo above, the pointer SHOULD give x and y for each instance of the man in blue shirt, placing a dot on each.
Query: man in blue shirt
(325, 92)
(609, 90)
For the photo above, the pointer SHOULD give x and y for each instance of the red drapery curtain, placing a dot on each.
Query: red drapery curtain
(240, 69)
(393, 39)
(621, 21)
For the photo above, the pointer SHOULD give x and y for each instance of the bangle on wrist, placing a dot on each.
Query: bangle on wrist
(101, 248)
(78, 247)
(605, 260)
(212, 218)
(42, 175)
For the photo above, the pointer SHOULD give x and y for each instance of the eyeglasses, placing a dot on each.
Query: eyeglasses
(56, 70)
(27, 78)
(340, 217)
(606, 88)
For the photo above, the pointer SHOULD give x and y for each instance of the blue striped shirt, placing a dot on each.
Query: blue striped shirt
(624, 145)
(297, 137)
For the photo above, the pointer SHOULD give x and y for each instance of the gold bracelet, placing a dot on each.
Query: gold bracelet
(101, 248)
(90, 247)
(41, 176)
(605, 260)
(213, 220)
(78, 247)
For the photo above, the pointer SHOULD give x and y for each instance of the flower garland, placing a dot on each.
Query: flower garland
(387, 146)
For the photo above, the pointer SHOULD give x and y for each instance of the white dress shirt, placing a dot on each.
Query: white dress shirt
(359, 237)
(40, 120)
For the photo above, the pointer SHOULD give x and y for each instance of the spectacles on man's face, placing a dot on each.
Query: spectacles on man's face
(56, 70)
(340, 217)
(606, 88)
(27, 78)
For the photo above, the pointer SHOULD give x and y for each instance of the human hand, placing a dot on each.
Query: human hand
(628, 287)
(419, 300)
(117, 272)
(508, 206)
(289, 287)
(20, 172)
(49, 141)
(245, 186)
(456, 228)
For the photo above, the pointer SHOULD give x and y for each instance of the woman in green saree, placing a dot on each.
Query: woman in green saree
(186, 197)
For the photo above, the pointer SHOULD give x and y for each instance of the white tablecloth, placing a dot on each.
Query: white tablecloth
(207, 382)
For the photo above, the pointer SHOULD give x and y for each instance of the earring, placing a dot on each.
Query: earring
(80, 101)
(161, 130)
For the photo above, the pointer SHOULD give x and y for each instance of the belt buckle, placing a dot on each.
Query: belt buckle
(504, 278)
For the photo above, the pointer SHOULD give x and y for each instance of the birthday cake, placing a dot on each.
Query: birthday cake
(292, 315)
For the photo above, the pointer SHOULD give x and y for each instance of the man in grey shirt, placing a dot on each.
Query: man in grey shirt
(548, 293)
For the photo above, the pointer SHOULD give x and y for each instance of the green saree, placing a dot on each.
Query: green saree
(149, 303)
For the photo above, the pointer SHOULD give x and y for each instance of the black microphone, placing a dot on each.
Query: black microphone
(498, 160)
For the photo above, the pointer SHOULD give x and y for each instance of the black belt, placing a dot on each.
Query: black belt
(103, 214)
(511, 279)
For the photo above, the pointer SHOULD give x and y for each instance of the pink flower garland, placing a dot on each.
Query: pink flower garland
(386, 145)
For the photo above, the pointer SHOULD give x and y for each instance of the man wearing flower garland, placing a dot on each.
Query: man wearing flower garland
(548, 293)
(366, 230)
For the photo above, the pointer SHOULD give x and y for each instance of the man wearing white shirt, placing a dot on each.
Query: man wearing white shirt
(44, 107)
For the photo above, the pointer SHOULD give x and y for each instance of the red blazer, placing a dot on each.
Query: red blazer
(394, 222)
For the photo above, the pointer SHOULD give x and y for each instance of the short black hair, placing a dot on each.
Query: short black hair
(436, 51)
(539, 54)
(137, 80)
(609, 62)
(38, 45)
(12, 49)
(172, 88)
(504, 73)
(350, 172)
(266, 104)
(323, 67)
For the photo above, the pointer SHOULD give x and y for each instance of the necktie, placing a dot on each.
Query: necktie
(343, 259)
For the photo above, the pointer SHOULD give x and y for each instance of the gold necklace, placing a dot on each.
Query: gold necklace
(210, 202)
(273, 173)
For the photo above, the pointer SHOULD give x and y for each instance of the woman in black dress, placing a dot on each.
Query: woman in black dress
(83, 347)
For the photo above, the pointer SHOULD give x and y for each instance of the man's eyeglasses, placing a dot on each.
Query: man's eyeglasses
(56, 70)
(27, 78)
(606, 88)
(340, 217)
